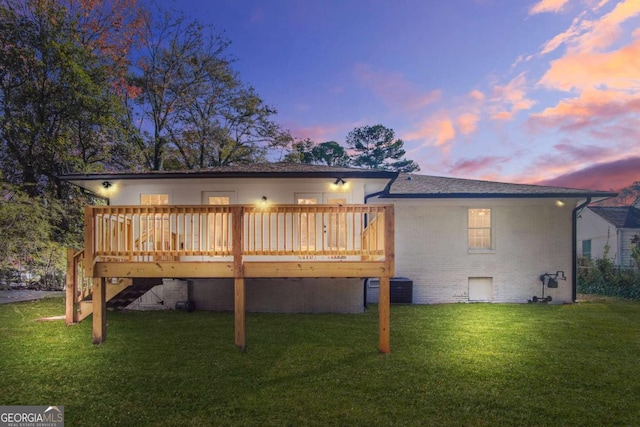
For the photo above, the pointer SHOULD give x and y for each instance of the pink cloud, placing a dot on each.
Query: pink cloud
(586, 35)
(437, 130)
(510, 99)
(440, 129)
(547, 6)
(445, 133)
(564, 37)
(585, 70)
(608, 29)
(590, 108)
(476, 95)
(570, 156)
(321, 133)
(472, 167)
(602, 176)
(577, 153)
(467, 123)
(394, 89)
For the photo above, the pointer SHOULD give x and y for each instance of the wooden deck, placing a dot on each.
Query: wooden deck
(230, 241)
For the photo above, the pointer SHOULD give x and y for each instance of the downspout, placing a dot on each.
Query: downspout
(574, 247)
(386, 189)
(365, 282)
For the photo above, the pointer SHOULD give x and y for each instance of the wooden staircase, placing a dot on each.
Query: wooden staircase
(119, 295)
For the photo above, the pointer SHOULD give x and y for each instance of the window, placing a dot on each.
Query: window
(219, 227)
(307, 234)
(155, 230)
(154, 199)
(337, 230)
(479, 227)
(586, 249)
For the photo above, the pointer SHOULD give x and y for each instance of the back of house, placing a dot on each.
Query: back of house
(454, 240)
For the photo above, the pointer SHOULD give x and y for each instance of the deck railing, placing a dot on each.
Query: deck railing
(175, 233)
(84, 284)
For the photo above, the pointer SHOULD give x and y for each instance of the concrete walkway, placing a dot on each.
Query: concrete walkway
(19, 295)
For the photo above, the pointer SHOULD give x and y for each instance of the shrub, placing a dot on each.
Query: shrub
(601, 277)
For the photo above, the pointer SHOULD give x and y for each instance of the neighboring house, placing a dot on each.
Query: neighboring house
(301, 238)
(610, 231)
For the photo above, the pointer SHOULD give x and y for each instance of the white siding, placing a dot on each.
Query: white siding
(283, 295)
(600, 231)
(625, 235)
(247, 191)
(531, 237)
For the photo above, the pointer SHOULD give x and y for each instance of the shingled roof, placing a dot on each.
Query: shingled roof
(400, 185)
(254, 170)
(619, 216)
(423, 186)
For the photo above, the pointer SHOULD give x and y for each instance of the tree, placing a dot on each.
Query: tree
(300, 152)
(194, 108)
(27, 253)
(626, 196)
(58, 108)
(62, 64)
(375, 147)
(330, 153)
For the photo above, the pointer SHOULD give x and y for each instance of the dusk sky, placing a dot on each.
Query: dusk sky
(535, 91)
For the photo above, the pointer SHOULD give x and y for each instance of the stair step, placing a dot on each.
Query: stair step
(119, 301)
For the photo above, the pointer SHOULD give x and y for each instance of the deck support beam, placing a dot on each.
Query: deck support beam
(384, 300)
(239, 311)
(384, 296)
(71, 307)
(99, 310)
(239, 308)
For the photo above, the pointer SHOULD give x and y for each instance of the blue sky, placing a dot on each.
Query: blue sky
(537, 91)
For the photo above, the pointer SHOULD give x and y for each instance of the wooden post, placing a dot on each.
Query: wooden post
(238, 274)
(71, 312)
(383, 313)
(99, 310)
(239, 310)
(384, 296)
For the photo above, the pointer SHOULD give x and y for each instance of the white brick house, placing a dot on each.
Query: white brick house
(457, 240)
(528, 231)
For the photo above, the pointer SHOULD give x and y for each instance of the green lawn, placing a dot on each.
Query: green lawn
(458, 364)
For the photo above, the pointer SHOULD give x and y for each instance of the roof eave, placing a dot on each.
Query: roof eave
(494, 195)
(196, 175)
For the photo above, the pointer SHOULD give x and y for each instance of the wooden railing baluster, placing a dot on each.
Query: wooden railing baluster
(164, 233)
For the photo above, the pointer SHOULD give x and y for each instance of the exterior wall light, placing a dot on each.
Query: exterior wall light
(340, 181)
(263, 200)
(106, 184)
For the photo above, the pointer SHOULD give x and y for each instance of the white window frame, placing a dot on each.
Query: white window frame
(491, 227)
(218, 226)
(307, 227)
(155, 230)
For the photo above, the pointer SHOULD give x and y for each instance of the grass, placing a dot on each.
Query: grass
(462, 364)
